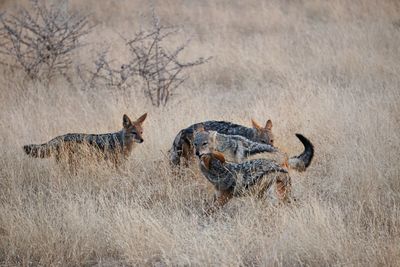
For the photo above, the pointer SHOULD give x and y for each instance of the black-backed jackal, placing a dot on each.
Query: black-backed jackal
(239, 149)
(110, 146)
(182, 146)
(254, 177)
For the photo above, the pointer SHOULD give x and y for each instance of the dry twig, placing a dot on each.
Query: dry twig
(41, 41)
(158, 69)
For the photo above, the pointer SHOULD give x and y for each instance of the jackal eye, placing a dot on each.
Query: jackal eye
(205, 143)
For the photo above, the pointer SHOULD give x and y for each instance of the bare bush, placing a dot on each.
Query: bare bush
(287, 61)
(104, 74)
(41, 41)
(151, 63)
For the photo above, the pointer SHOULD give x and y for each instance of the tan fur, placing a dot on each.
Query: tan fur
(280, 157)
(278, 183)
(73, 149)
(256, 125)
(219, 156)
(220, 199)
(264, 131)
(205, 161)
(237, 156)
(282, 187)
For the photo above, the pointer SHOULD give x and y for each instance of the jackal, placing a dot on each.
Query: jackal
(235, 148)
(112, 146)
(237, 179)
(182, 146)
(238, 149)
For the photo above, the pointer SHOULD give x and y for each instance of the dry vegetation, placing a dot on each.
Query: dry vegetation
(329, 70)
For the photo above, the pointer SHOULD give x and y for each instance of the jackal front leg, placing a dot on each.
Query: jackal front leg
(220, 199)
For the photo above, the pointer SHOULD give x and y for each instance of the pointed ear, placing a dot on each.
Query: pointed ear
(255, 125)
(268, 125)
(126, 122)
(199, 128)
(219, 156)
(141, 119)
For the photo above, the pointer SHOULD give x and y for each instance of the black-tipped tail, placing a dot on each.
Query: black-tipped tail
(302, 161)
(308, 152)
(37, 151)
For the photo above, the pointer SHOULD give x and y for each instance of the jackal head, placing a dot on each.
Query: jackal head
(205, 159)
(203, 140)
(134, 130)
(264, 134)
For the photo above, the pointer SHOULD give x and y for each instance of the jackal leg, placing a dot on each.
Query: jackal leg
(284, 187)
(220, 199)
(264, 184)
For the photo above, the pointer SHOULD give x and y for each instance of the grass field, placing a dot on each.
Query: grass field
(327, 69)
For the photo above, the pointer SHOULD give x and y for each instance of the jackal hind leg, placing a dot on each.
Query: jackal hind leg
(64, 156)
(264, 185)
(71, 160)
(284, 187)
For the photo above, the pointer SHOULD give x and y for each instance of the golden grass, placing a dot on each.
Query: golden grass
(329, 70)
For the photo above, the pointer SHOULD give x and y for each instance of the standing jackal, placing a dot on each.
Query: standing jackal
(238, 149)
(112, 146)
(236, 179)
(182, 146)
(235, 148)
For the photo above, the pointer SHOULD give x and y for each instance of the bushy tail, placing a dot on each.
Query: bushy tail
(38, 151)
(302, 161)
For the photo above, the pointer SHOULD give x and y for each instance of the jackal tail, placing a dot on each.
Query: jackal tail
(38, 151)
(302, 161)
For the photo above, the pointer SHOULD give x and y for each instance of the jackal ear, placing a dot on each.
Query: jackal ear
(268, 125)
(255, 125)
(219, 156)
(141, 118)
(199, 128)
(126, 122)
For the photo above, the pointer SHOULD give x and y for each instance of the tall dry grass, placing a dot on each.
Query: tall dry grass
(329, 70)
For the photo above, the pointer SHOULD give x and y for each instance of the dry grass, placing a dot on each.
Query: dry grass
(329, 70)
